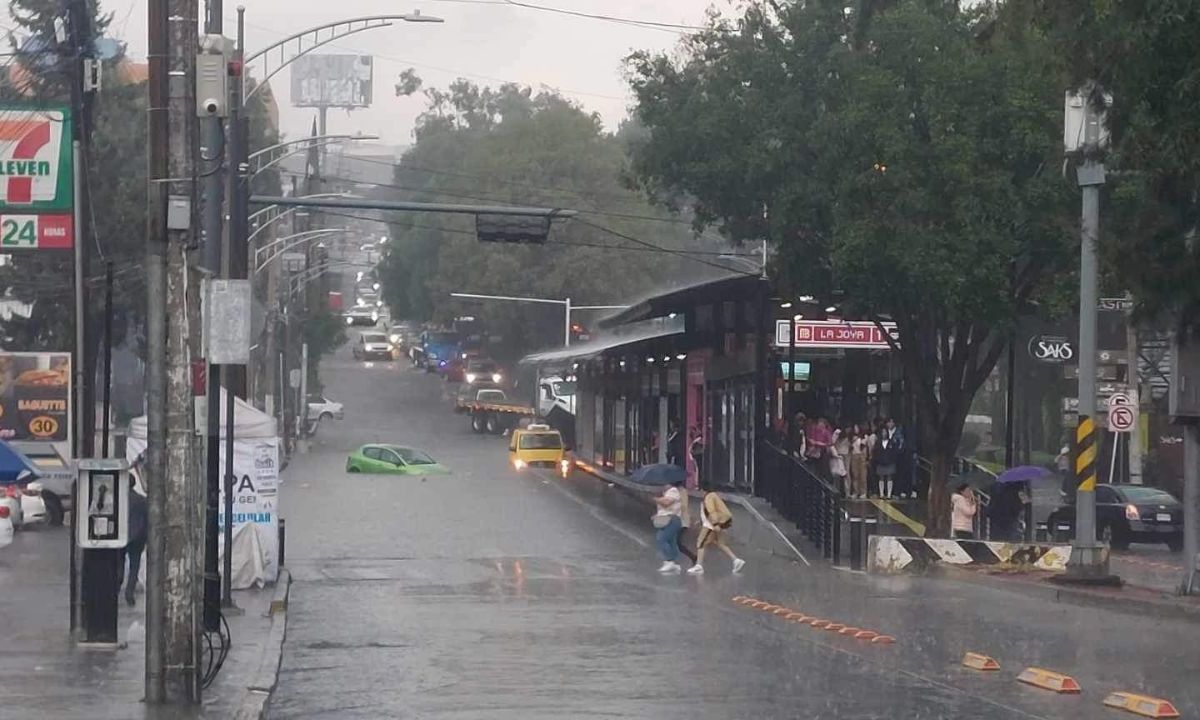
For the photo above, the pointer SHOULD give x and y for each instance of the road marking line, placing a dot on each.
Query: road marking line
(591, 510)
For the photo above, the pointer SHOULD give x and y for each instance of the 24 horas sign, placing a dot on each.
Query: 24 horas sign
(36, 178)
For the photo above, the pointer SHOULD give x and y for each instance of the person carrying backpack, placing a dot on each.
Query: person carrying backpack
(716, 518)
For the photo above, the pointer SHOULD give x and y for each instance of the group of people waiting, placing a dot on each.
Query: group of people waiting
(861, 458)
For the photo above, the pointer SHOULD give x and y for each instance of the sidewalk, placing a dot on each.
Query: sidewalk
(46, 675)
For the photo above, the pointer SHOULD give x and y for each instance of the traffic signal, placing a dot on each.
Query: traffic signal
(512, 228)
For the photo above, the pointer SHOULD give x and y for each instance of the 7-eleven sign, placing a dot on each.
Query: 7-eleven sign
(35, 160)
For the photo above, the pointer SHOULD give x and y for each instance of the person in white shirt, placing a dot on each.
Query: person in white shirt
(667, 524)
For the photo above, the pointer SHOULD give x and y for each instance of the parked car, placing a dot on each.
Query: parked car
(1127, 514)
(392, 460)
(322, 408)
(56, 475)
(372, 345)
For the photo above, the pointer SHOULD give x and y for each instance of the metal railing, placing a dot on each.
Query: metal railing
(802, 497)
(960, 467)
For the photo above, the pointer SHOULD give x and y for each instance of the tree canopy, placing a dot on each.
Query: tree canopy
(510, 145)
(903, 160)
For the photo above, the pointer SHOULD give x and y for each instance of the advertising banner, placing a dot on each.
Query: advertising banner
(35, 396)
(255, 507)
(36, 178)
(342, 81)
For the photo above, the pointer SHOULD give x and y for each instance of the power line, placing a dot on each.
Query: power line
(639, 241)
(649, 24)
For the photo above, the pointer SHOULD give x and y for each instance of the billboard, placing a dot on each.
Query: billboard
(342, 81)
(36, 171)
(35, 396)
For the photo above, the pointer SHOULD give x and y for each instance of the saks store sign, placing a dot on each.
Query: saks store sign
(1051, 349)
(36, 178)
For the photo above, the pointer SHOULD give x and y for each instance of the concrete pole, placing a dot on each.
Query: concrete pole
(173, 567)
(1088, 559)
(1134, 382)
(1191, 506)
(567, 319)
(302, 411)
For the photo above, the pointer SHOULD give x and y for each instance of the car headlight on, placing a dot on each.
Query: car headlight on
(496, 377)
(395, 338)
(519, 464)
(349, 321)
(564, 465)
(1131, 512)
(470, 377)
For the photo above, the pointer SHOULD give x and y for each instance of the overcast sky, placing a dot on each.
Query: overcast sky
(488, 41)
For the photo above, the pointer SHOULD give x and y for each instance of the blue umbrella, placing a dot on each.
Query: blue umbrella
(1022, 473)
(14, 466)
(659, 474)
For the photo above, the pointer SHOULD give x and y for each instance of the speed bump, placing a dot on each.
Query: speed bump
(866, 635)
(782, 611)
(818, 623)
(738, 598)
(1143, 705)
(796, 616)
(851, 631)
(883, 640)
(834, 627)
(975, 661)
(1049, 680)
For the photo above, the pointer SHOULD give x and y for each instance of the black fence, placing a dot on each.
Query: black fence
(803, 498)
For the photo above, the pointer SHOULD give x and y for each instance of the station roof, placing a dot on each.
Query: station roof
(680, 299)
(651, 330)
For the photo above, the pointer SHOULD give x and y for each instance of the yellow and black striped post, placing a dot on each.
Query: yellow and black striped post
(1085, 454)
(1085, 481)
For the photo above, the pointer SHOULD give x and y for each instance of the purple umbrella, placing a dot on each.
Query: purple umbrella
(1022, 473)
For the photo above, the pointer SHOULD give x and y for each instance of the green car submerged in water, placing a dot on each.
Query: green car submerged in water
(383, 459)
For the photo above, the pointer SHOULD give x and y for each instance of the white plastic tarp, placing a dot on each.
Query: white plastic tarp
(255, 502)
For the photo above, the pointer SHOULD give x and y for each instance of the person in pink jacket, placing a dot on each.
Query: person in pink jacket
(963, 506)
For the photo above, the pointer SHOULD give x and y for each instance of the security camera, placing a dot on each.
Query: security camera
(211, 106)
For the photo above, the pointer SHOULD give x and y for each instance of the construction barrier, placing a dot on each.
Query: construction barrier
(890, 554)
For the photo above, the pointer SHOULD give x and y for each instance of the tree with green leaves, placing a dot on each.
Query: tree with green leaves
(1144, 55)
(511, 146)
(902, 158)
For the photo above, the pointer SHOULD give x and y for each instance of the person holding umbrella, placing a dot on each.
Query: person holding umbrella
(668, 524)
(1009, 498)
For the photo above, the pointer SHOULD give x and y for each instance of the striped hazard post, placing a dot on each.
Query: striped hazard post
(1085, 454)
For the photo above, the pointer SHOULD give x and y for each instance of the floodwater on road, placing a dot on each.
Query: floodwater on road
(489, 593)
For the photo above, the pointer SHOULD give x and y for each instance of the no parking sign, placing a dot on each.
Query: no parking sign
(1122, 412)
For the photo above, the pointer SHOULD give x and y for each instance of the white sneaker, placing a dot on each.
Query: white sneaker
(738, 565)
(669, 567)
(696, 570)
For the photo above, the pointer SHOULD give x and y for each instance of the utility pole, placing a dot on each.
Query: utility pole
(1089, 559)
(172, 627)
(1133, 379)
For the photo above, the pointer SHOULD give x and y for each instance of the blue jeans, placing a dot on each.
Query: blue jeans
(666, 539)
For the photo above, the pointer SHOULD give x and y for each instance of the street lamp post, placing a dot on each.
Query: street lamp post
(565, 303)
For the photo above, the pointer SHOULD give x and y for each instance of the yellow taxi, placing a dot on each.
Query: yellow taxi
(538, 446)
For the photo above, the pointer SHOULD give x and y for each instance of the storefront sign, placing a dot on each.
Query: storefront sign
(36, 188)
(832, 334)
(798, 371)
(35, 396)
(1051, 348)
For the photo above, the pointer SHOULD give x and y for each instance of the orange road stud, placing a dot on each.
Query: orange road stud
(795, 616)
(1049, 680)
(767, 607)
(866, 635)
(1143, 705)
(975, 661)
(851, 631)
(834, 627)
(818, 623)
(758, 604)
(782, 611)
(883, 640)
(738, 598)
